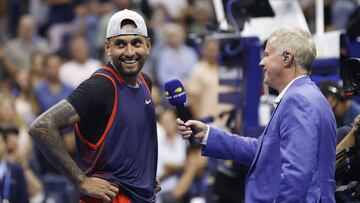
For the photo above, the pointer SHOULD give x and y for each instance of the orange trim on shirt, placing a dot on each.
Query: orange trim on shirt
(113, 72)
(108, 125)
(146, 85)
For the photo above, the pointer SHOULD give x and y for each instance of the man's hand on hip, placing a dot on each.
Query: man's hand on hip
(99, 188)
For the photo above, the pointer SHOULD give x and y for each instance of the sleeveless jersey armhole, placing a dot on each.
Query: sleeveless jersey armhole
(109, 123)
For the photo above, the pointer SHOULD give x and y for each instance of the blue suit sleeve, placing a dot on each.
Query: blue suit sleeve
(223, 145)
(298, 148)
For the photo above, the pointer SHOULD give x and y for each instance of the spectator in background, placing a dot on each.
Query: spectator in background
(13, 184)
(85, 24)
(21, 155)
(11, 137)
(8, 115)
(341, 11)
(177, 9)
(25, 103)
(344, 108)
(4, 34)
(159, 18)
(175, 59)
(18, 145)
(27, 42)
(192, 184)
(40, 11)
(37, 69)
(7, 66)
(203, 15)
(9, 118)
(172, 153)
(13, 11)
(51, 90)
(349, 139)
(308, 7)
(203, 86)
(80, 67)
(59, 22)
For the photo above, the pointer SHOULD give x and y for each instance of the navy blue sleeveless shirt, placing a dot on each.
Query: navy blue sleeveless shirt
(126, 153)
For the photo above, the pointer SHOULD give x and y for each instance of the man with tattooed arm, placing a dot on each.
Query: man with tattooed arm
(114, 119)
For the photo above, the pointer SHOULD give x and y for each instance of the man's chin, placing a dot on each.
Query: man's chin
(131, 72)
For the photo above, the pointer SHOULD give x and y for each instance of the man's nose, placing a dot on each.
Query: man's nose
(261, 63)
(129, 51)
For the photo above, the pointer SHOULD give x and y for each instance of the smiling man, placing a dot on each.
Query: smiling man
(114, 119)
(294, 159)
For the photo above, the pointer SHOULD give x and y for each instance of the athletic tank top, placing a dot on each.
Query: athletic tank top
(126, 153)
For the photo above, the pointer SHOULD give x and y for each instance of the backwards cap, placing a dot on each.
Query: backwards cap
(114, 25)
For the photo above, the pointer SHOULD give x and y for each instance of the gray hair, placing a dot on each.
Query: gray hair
(297, 41)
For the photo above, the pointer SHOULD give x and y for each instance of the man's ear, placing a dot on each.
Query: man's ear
(107, 48)
(287, 57)
(148, 44)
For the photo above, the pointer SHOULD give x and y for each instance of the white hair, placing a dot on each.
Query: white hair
(298, 42)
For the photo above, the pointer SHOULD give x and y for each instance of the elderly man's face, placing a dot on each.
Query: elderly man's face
(272, 65)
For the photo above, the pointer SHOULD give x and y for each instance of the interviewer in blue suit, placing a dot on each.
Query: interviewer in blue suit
(294, 158)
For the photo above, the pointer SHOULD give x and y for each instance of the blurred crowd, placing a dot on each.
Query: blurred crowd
(48, 47)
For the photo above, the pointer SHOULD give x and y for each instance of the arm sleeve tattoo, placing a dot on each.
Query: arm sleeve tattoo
(45, 131)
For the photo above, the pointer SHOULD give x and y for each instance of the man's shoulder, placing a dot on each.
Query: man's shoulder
(98, 81)
(303, 89)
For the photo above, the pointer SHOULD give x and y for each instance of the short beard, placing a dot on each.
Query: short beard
(131, 74)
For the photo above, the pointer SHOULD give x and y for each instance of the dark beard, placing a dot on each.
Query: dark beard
(140, 59)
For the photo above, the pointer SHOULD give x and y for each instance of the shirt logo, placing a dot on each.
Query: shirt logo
(147, 101)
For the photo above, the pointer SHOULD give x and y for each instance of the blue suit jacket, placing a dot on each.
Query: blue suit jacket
(294, 159)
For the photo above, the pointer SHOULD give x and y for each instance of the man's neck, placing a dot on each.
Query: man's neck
(290, 77)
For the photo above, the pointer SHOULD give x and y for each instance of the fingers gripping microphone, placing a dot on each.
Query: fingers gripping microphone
(176, 95)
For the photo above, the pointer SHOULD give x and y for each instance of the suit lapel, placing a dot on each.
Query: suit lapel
(262, 140)
(297, 82)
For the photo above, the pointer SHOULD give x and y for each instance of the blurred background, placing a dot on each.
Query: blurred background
(48, 47)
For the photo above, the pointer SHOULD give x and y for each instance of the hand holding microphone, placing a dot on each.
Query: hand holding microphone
(193, 128)
(176, 95)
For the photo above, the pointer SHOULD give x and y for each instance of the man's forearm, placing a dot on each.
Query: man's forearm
(348, 141)
(46, 132)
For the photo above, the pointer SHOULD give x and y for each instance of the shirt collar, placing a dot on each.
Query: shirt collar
(282, 93)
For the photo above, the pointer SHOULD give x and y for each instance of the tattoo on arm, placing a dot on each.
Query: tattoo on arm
(45, 131)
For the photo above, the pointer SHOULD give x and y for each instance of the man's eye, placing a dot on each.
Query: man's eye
(137, 43)
(120, 44)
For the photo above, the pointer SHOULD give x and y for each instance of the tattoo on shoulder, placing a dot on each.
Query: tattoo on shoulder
(63, 114)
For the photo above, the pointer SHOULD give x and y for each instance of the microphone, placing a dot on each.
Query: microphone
(176, 95)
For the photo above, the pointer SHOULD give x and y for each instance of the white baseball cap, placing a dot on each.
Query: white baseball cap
(114, 25)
